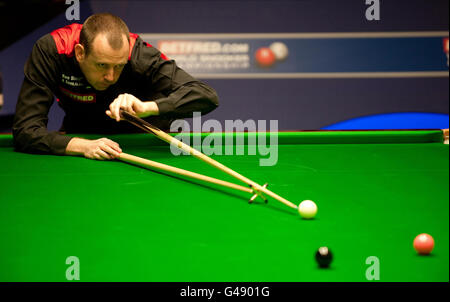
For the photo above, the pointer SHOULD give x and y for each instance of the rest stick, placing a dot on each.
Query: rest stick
(171, 140)
(155, 165)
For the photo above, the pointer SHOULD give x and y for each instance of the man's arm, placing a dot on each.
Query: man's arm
(35, 99)
(31, 135)
(181, 93)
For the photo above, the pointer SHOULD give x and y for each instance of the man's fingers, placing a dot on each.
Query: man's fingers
(114, 108)
(117, 107)
(126, 102)
(101, 155)
(130, 103)
(104, 149)
(112, 144)
(111, 111)
(111, 152)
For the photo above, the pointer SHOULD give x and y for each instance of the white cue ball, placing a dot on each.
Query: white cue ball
(280, 50)
(307, 209)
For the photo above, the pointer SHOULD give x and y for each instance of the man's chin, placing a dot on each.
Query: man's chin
(101, 88)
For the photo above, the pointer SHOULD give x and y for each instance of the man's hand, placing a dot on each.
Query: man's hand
(133, 105)
(101, 149)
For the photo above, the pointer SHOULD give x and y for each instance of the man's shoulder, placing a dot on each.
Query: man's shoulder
(66, 38)
(142, 54)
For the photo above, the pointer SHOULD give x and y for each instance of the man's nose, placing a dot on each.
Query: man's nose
(109, 75)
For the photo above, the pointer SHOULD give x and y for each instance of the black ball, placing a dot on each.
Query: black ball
(324, 257)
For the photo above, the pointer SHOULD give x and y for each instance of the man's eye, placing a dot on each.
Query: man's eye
(101, 65)
(120, 66)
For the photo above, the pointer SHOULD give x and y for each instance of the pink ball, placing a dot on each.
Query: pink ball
(423, 244)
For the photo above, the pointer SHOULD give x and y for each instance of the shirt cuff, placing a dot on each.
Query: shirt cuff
(59, 143)
(164, 105)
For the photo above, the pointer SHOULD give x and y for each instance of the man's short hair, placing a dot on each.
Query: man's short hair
(104, 23)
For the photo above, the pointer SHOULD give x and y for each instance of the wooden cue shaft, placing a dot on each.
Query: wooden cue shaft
(152, 164)
(172, 140)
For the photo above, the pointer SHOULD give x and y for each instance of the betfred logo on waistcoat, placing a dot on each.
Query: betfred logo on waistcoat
(83, 98)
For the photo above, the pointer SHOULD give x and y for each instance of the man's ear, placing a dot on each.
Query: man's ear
(79, 52)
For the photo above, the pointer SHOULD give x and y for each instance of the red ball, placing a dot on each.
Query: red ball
(265, 57)
(423, 244)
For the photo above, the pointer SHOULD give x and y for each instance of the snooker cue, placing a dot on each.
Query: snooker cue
(152, 164)
(140, 123)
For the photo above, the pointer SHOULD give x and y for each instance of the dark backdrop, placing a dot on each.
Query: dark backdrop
(296, 103)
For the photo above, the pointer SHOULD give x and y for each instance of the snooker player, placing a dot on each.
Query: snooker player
(94, 70)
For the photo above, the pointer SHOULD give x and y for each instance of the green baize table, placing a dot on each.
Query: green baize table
(375, 191)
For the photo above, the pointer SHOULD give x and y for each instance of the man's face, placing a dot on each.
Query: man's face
(103, 65)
